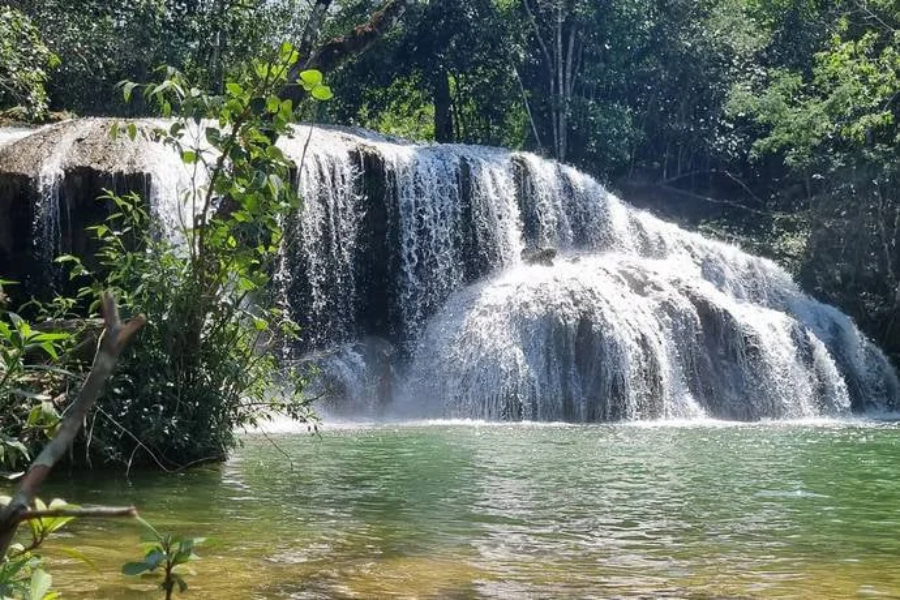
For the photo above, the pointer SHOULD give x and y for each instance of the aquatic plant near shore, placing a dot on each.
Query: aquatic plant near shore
(24, 506)
(166, 554)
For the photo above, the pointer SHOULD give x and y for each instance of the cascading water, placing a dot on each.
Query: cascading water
(9, 135)
(406, 270)
(637, 319)
(320, 243)
(72, 163)
(48, 215)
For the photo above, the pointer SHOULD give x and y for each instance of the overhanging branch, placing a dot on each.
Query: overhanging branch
(85, 512)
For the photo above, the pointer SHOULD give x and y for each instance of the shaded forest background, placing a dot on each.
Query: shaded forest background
(768, 123)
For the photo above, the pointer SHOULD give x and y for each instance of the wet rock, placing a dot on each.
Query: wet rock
(539, 256)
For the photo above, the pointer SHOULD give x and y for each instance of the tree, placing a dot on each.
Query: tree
(207, 363)
(447, 74)
(837, 130)
(24, 64)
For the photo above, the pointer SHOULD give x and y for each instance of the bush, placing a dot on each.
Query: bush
(205, 363)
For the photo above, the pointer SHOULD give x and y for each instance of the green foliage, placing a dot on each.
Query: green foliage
(28, 414)
(446, 75)
(206, 362)
(847, 106)
(22, 576)
(402, 109)
(24, 65)
(165, 556)
(834, 123)
(101, 42)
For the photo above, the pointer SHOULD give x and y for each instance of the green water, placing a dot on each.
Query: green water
(494, 511)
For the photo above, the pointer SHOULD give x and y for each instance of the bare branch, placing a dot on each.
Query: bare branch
(537, 32)
(113, 340)
(87, 512)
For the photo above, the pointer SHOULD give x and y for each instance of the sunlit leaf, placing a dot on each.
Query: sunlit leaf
(322, 92)
(311, 78)
(40, 584)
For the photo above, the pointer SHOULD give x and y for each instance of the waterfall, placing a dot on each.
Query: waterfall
(449, 216)
(635, 319)
(410, 269)
(48, 216)
(615, 336)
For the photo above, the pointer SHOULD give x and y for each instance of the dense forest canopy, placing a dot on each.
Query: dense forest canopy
(769, 122)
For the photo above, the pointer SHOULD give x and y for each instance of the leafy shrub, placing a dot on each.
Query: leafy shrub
(28, 379)
(205, 364)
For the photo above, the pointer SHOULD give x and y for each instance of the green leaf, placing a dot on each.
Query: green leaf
(322, 92)
(51, 337)
(258, 105)
(287, 108)
(135, 568)
(213, 135)
(128, 89)
(234, 89)
(40, 584)
(50, 349)
(132, 131)
(80, 556)
(154, 558)
(189, 157)
(311, 78)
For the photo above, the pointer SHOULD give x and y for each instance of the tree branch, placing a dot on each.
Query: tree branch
(89, 512)
(113, 340)
(335, 51)
(537, 33)
(312, 27)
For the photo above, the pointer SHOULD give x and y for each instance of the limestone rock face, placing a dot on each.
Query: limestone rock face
(50, 180)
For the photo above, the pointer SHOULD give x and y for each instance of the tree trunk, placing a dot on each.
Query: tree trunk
(443, 108)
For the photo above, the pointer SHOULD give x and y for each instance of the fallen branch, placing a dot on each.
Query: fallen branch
(113, 340)
(86, 512)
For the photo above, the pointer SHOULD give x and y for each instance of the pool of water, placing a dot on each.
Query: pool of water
(467, 510)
